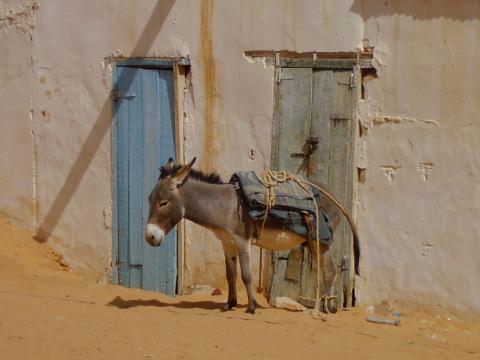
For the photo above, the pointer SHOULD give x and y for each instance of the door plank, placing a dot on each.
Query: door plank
(168, 251)
(135, 183)
(341, 121)
(125, 78)
(352, 185)
(159, 266)
(294, 110)
(151, 124)
(322, 100)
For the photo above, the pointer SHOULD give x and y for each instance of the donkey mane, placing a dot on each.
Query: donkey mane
(211, 178)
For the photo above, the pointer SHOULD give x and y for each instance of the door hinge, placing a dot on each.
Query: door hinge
(336, 117)
(122, 95)
(280, 75)
(283, 76)
(351, 83)
(345, 263)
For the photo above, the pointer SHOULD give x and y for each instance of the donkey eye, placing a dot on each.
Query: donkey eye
(162, 203)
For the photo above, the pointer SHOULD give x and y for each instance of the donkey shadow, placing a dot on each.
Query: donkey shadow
(121, 303)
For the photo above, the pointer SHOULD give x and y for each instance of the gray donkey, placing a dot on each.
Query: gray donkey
(183, 192)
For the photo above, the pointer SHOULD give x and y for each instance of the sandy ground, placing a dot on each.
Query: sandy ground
(47, 312)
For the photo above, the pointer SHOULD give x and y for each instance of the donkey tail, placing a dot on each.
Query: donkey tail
(356, 240)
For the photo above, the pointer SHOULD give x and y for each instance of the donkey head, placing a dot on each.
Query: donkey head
(166, 205)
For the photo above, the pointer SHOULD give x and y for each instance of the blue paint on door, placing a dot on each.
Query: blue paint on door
(143, 139)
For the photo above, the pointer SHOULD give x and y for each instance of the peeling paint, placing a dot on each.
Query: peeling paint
(254, 59)
(362, 159)
(106, 67)
(381, 56)
(107, 216)
(23, 18)
(390, 119)
(115, 55)
(181, 47)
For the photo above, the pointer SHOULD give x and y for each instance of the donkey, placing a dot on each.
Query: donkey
(183, 192)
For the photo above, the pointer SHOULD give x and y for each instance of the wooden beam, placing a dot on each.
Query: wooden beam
(153, 62)
(179, 74)
(284, 54)
(321, 63)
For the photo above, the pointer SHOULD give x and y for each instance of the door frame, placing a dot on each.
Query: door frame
(315, 63)
(180, 67)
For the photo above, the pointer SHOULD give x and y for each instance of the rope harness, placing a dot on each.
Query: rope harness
(269, 180)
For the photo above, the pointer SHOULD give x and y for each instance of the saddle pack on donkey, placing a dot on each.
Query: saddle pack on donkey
(289, 203)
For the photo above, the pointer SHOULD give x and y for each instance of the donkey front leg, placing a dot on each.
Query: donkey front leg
(231, 270)
(243, 249)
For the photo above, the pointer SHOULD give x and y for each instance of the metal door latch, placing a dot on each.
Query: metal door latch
(308, 148)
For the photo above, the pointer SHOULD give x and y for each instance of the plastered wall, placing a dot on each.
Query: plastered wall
(418, 199)
(419, 207)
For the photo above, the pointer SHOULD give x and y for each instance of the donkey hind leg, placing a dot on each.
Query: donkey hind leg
(231, 270)
(330, 304)
(243, 249)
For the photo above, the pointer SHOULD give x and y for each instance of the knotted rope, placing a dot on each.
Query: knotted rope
(269, 180)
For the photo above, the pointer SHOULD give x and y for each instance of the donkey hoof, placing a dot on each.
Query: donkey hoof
(250, 311)
(229, 305)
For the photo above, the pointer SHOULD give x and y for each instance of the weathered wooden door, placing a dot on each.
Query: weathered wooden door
(315, 107)
(143, 139)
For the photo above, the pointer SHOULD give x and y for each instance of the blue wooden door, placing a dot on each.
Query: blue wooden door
(143, 139)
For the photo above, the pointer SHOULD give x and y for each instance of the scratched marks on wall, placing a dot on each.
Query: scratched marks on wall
(392, 170)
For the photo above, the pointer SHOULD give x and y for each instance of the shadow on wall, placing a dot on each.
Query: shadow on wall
(100, 127)
(462, 10)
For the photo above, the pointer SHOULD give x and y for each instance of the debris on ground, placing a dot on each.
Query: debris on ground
(383, 313)
(379, 320)
(284, 302)
(199, 290)
(384, 308)
(203, 290)
(216, 291)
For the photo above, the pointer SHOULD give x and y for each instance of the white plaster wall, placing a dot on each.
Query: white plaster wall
(16, 146)
(419, 234)
(420, 225)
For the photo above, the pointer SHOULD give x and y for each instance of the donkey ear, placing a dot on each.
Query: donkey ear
(181, 175)
(170, 164)
(167, 168)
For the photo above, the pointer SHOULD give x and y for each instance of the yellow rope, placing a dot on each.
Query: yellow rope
(270, 179)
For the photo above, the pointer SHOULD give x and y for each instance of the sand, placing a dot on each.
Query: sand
(49, 312)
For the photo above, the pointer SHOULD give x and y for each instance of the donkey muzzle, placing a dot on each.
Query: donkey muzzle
(154, 235)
